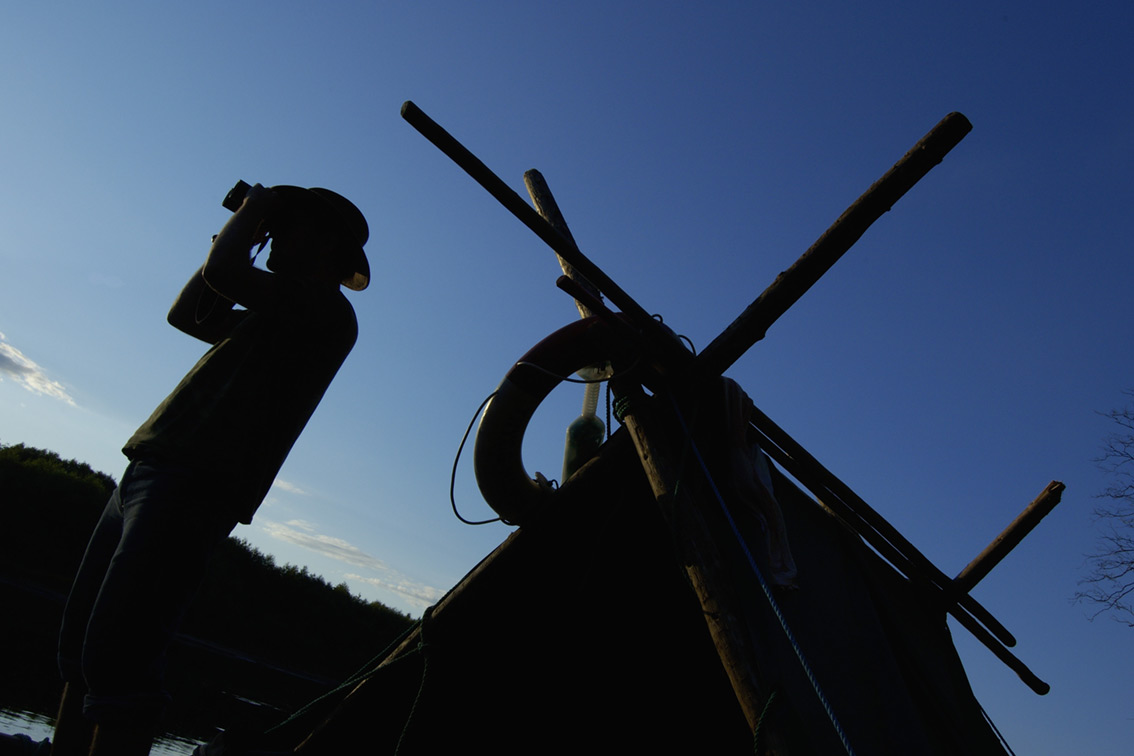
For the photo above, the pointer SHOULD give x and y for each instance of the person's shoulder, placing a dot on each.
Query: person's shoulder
(336, 314)
(343, 307)
(320, 312)
(319, 302)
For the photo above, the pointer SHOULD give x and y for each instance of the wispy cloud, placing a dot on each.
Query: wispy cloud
(377, 573)
(15, 365)
(301, 533)
(284, 485)
(420, 596)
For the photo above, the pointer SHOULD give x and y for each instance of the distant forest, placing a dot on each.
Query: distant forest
(276, 635)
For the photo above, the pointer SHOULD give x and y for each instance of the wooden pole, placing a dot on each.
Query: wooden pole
(868, 523)
(666, 353)
(858, 515)
(472, 165)
(790, 285)
(1011, 537)
(548, 209)
(700, 556)
(701, 560)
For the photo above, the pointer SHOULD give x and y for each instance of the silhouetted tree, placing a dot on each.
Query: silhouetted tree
(1110, 584)
(49, 506)
(285, 614)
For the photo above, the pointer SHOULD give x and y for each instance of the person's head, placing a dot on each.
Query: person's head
(319, 233)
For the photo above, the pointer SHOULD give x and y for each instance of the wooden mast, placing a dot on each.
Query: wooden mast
(700, 557)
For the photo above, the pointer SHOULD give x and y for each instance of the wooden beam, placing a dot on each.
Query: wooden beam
(1010, 537)
(877, 532)
(793, 283)
(548, 209)
(701, 561)
(700, 557)
(665, 351)
(515, 204)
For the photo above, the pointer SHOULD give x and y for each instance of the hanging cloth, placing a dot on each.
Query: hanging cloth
(751, 479)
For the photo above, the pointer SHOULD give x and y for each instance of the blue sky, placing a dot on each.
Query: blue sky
(947, 368)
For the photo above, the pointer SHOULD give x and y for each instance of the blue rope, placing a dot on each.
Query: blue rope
(764, 586)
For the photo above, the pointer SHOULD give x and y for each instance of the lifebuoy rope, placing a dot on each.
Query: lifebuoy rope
(457, 459)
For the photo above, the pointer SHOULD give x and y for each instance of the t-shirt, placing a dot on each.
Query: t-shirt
(239, 410)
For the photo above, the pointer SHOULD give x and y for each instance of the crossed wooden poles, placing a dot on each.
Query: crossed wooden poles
(673, 366)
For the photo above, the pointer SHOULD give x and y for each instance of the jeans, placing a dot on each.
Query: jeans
(143, 565)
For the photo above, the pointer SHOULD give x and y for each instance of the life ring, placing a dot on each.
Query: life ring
(497, 459)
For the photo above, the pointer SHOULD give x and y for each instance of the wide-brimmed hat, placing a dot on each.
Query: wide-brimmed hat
(340, 212)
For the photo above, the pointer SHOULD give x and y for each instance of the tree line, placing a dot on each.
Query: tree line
(272, 616)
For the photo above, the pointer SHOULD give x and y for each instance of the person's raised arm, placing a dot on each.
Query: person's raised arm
(201, 312)
(228, 269)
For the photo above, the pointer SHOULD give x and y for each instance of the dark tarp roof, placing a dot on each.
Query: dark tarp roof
(580, 633)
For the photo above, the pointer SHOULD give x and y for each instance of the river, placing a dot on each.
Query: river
(38, 727)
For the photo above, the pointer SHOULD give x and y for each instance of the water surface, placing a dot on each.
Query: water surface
(39, 727)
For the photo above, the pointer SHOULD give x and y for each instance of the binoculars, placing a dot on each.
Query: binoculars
(235, 197)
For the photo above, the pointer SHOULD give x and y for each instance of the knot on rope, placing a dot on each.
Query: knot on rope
(621, 406)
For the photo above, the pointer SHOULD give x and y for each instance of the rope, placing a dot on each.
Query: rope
(570, 379)
(421, 647)
(363, 673)
(764, 585)
(680, 336)
(457, 459)
(621, 406)
(996, 730)
(760, 722)
(468, 430)
(368, 670)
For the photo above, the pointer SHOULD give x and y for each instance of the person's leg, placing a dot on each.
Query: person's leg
(169, 531)
(73, 730)
(169, 534)
(119, 739)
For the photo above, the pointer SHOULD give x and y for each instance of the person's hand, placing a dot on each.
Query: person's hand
(259, 201)
(258, 193)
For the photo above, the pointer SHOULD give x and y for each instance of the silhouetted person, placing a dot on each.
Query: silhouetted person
(206, 457)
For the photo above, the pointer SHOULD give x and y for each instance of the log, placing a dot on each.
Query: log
(515, 204)
(868, 523)
(979, 568)
(876, 531)
(702, 563)
(548, 209)
(793, 283)
(667, 354)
